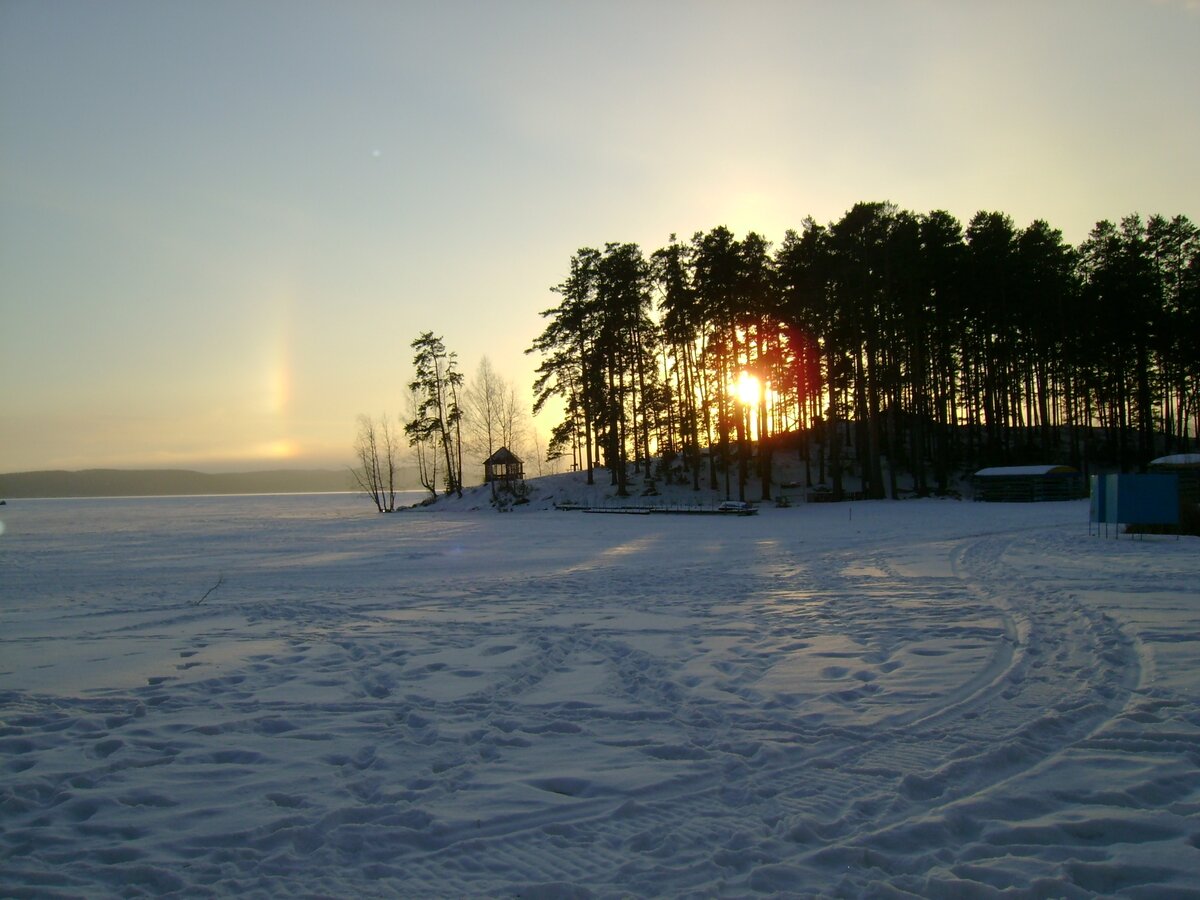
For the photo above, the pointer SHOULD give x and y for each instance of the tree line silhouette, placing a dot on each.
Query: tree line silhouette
(883, 343)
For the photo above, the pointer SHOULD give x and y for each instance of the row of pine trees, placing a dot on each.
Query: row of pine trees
(888, 344)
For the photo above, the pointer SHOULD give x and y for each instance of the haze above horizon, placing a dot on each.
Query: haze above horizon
(221, 224)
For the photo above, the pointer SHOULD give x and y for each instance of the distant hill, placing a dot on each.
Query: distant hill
(160, 482)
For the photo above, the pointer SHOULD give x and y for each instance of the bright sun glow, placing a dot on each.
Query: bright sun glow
(281, 449)
(747, 389)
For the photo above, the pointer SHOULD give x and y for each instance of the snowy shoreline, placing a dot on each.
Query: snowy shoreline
(935, 697)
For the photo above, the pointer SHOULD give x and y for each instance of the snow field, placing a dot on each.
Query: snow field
(929, 697)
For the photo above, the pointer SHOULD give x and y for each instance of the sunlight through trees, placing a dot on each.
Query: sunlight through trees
(883, 342)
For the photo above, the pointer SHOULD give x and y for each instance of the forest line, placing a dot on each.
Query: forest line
(886, 335)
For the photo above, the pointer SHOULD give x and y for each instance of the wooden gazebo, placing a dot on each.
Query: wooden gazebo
(504, 467)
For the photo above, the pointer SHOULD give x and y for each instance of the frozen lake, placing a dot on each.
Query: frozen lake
(296, 695)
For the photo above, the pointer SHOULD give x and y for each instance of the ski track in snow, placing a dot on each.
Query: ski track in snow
(926, 698)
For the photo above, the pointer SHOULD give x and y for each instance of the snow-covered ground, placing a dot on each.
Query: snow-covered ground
(932, 697)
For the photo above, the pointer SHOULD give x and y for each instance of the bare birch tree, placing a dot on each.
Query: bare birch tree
(493, 417)
(375, 470)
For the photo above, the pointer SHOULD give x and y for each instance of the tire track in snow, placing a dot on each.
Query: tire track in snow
(1070, 673)
(532, 694)
(767, 762)
(1059, 673)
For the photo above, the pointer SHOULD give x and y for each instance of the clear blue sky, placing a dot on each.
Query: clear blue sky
(222, 222)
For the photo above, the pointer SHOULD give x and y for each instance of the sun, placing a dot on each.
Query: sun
(747, 389)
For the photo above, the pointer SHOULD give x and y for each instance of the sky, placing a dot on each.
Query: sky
(222, 223)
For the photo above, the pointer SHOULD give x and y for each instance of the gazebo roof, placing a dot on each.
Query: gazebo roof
(503, 456)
